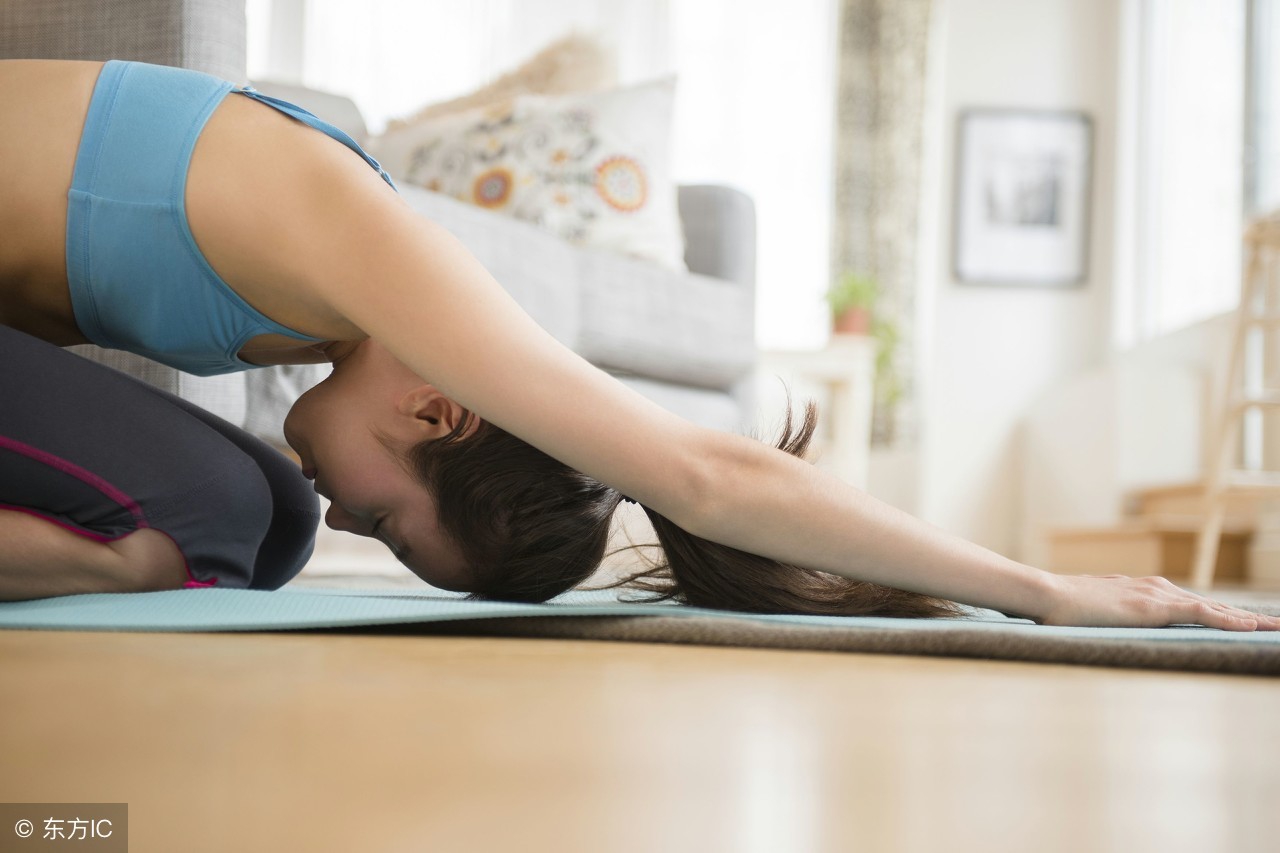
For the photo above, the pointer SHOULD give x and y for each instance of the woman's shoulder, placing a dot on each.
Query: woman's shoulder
(264, 195)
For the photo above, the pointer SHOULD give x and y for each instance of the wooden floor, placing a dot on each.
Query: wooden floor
(347, 742)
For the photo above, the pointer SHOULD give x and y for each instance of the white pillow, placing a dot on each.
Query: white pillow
(593, 167)
(577, 62)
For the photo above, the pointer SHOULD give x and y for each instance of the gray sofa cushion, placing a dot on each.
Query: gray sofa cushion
(689, 329)
(537, 268)
(617, 312)
(719, 232)
(714, 409)
(205, 35)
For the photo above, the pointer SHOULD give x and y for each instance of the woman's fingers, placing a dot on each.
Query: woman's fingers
(1205, 613)
(1189, 607)
(1264, 622)
(1153, 602)
(1216, 614)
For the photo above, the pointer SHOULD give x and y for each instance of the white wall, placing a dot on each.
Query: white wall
(989, 352)
(1141, 420)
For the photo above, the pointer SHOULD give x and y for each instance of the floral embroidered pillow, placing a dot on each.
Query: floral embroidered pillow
(593, 167)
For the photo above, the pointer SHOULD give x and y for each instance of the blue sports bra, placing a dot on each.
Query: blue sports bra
(137, 279)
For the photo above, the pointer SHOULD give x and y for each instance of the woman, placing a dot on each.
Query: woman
(150, 212)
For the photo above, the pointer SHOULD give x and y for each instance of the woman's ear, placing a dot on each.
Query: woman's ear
(432, 412)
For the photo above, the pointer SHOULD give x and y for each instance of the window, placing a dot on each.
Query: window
(1262, 152)
(1180, 164)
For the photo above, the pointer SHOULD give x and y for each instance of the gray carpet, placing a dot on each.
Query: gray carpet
(1187, 649)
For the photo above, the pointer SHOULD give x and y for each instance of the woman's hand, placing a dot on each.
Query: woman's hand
(1151, 602)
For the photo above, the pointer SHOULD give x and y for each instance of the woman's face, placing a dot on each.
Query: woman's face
(334, 429)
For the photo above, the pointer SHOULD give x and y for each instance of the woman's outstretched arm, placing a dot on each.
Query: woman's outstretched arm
(778, 506)
(412, 286)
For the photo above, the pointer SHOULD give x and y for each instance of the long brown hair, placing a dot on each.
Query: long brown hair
(530, 527)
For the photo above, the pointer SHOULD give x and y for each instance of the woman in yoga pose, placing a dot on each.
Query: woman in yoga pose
(145, 209)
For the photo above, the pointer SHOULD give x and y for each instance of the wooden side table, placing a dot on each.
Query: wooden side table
(844, 373)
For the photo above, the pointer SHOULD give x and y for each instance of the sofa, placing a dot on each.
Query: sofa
(684, 340)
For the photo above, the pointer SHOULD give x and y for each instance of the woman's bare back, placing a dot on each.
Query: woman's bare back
(42, 111)
(245, 171)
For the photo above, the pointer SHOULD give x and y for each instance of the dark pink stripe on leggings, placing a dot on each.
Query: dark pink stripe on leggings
(74, 470)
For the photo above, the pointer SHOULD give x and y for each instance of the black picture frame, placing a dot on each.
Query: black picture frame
(1023, 192)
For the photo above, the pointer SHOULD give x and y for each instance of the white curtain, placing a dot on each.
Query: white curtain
(879, 135)
(754, 99)
(1180, 233)
(1264, 105)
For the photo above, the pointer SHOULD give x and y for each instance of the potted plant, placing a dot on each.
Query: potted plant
(851, 298)
(888, 390)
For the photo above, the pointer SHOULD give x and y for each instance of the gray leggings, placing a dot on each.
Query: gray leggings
(103, 454)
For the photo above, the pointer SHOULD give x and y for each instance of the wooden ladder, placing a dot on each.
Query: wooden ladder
(1257, 285)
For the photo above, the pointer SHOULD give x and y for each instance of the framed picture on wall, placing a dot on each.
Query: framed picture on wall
(1022, 197)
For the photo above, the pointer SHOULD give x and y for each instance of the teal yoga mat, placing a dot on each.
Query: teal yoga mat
(600, 615)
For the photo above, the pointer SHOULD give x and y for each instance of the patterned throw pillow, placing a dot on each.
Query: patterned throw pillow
(592, 167)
